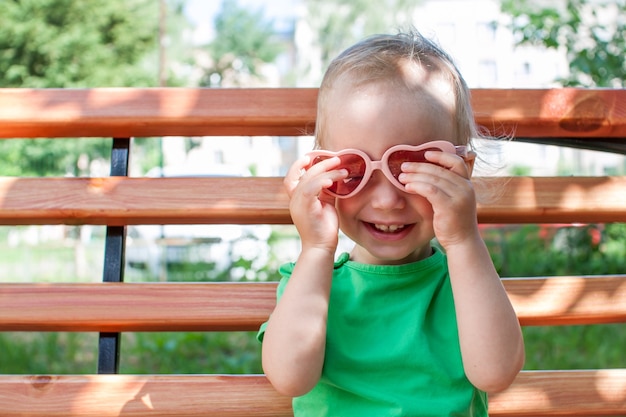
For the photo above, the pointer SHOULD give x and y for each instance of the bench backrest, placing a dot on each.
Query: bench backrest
(590, 118)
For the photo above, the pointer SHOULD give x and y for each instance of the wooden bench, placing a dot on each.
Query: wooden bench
(588, 118)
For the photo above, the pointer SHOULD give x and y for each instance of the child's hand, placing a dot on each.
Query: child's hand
(313, 211)
(483, 310)
(446, 185)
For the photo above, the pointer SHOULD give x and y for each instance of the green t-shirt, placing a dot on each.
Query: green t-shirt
(392, 345)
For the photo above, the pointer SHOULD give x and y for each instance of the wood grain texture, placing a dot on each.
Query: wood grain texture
(121, 307)
(140, 395)
(120, 200)
(563, 393)
(145, 112)
(257, 200)
(110, 307)
(588, 115)
(540, 393)
(552, 199)
(555, 113)
(568, 300)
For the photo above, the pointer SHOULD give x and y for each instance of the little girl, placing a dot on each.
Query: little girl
(396, 327)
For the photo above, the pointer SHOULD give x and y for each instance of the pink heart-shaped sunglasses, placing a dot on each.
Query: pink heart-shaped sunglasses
(360, 166)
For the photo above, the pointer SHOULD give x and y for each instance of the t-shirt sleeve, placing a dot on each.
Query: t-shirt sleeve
(285, 272)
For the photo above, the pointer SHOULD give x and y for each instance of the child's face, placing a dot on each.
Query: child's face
(388, 225)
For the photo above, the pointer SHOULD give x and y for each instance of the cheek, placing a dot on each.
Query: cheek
(422, 206)
(348, 210)
(346, 206)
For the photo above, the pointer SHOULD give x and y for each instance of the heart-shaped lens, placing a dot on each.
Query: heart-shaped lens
(356, 167)
(396, 159)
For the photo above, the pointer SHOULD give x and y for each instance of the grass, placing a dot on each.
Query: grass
(48, 353)
(26, 257)
(190, 353)
(575, 347)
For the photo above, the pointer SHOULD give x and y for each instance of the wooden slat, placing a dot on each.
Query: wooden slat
(137, 396)
(552, 199)
(109, 307)
(554, 113)
(144, 112)
(568, 300)
(113, 307)
(563, 393)
(539, 393)
(119, 112)
(119, 201)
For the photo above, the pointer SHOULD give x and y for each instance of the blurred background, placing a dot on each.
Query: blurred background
(286, 43)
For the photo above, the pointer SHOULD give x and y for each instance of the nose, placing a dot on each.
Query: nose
(383, 194)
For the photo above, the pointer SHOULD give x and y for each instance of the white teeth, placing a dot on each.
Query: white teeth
(389, 228)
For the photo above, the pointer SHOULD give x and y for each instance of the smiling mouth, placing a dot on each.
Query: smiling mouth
(389, 228)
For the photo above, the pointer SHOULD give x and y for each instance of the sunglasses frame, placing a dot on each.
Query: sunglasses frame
(383, 163)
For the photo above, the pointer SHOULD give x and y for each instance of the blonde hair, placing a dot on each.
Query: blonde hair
(378, 58)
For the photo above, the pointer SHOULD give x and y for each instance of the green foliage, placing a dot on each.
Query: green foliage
(575, 347)
(244, 40)
(146, 153)
(141, 353)
(76, 44)
(544, 250)
(51, 157)
(592, 31)
(67, 43)
(191, 353)
(339, 23)
(48, 353)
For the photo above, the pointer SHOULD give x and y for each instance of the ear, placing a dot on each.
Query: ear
(469, 161)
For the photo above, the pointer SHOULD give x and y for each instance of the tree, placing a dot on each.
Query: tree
(339, 23)
(73, 44)
(244, 41)
(68, 43)
(593, 33)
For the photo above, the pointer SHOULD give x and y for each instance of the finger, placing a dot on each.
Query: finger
(323, 174)
(430, 175)
(326, 198)
(294, 174)
(432, 188)
(324, 165)
(449, 161)
(437, 184)
(311, 181)
(315, 185)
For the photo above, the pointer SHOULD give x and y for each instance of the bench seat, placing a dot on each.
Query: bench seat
(586, 118)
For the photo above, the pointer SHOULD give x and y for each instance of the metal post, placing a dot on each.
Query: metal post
(114, 256)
